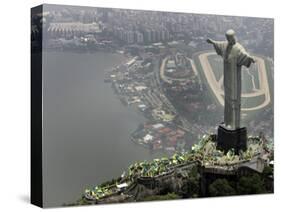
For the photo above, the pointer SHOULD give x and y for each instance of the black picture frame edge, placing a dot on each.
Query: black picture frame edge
(36, 179)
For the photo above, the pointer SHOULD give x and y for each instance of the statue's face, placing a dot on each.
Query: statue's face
(231, 39)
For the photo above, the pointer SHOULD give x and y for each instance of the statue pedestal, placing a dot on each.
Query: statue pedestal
(228, 139)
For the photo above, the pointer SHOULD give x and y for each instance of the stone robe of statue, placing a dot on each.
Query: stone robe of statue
(234, 57)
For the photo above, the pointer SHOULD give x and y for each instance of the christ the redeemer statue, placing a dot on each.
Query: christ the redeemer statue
(234, 57)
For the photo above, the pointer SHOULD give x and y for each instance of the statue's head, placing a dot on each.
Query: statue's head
(230, 36)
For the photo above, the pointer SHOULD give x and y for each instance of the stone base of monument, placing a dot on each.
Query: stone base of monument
(228, 139)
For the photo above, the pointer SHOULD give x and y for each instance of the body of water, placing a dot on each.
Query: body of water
(86, 129)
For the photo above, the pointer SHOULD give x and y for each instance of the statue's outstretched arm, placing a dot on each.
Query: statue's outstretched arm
(218, 45)
(210, 41)
(252, 59)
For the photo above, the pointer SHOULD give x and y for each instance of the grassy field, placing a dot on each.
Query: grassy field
(254, 71)
(247, 83)
(211, 96)
(248, 102)
(217, 66)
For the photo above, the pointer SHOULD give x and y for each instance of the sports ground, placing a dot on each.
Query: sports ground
(257, 82)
